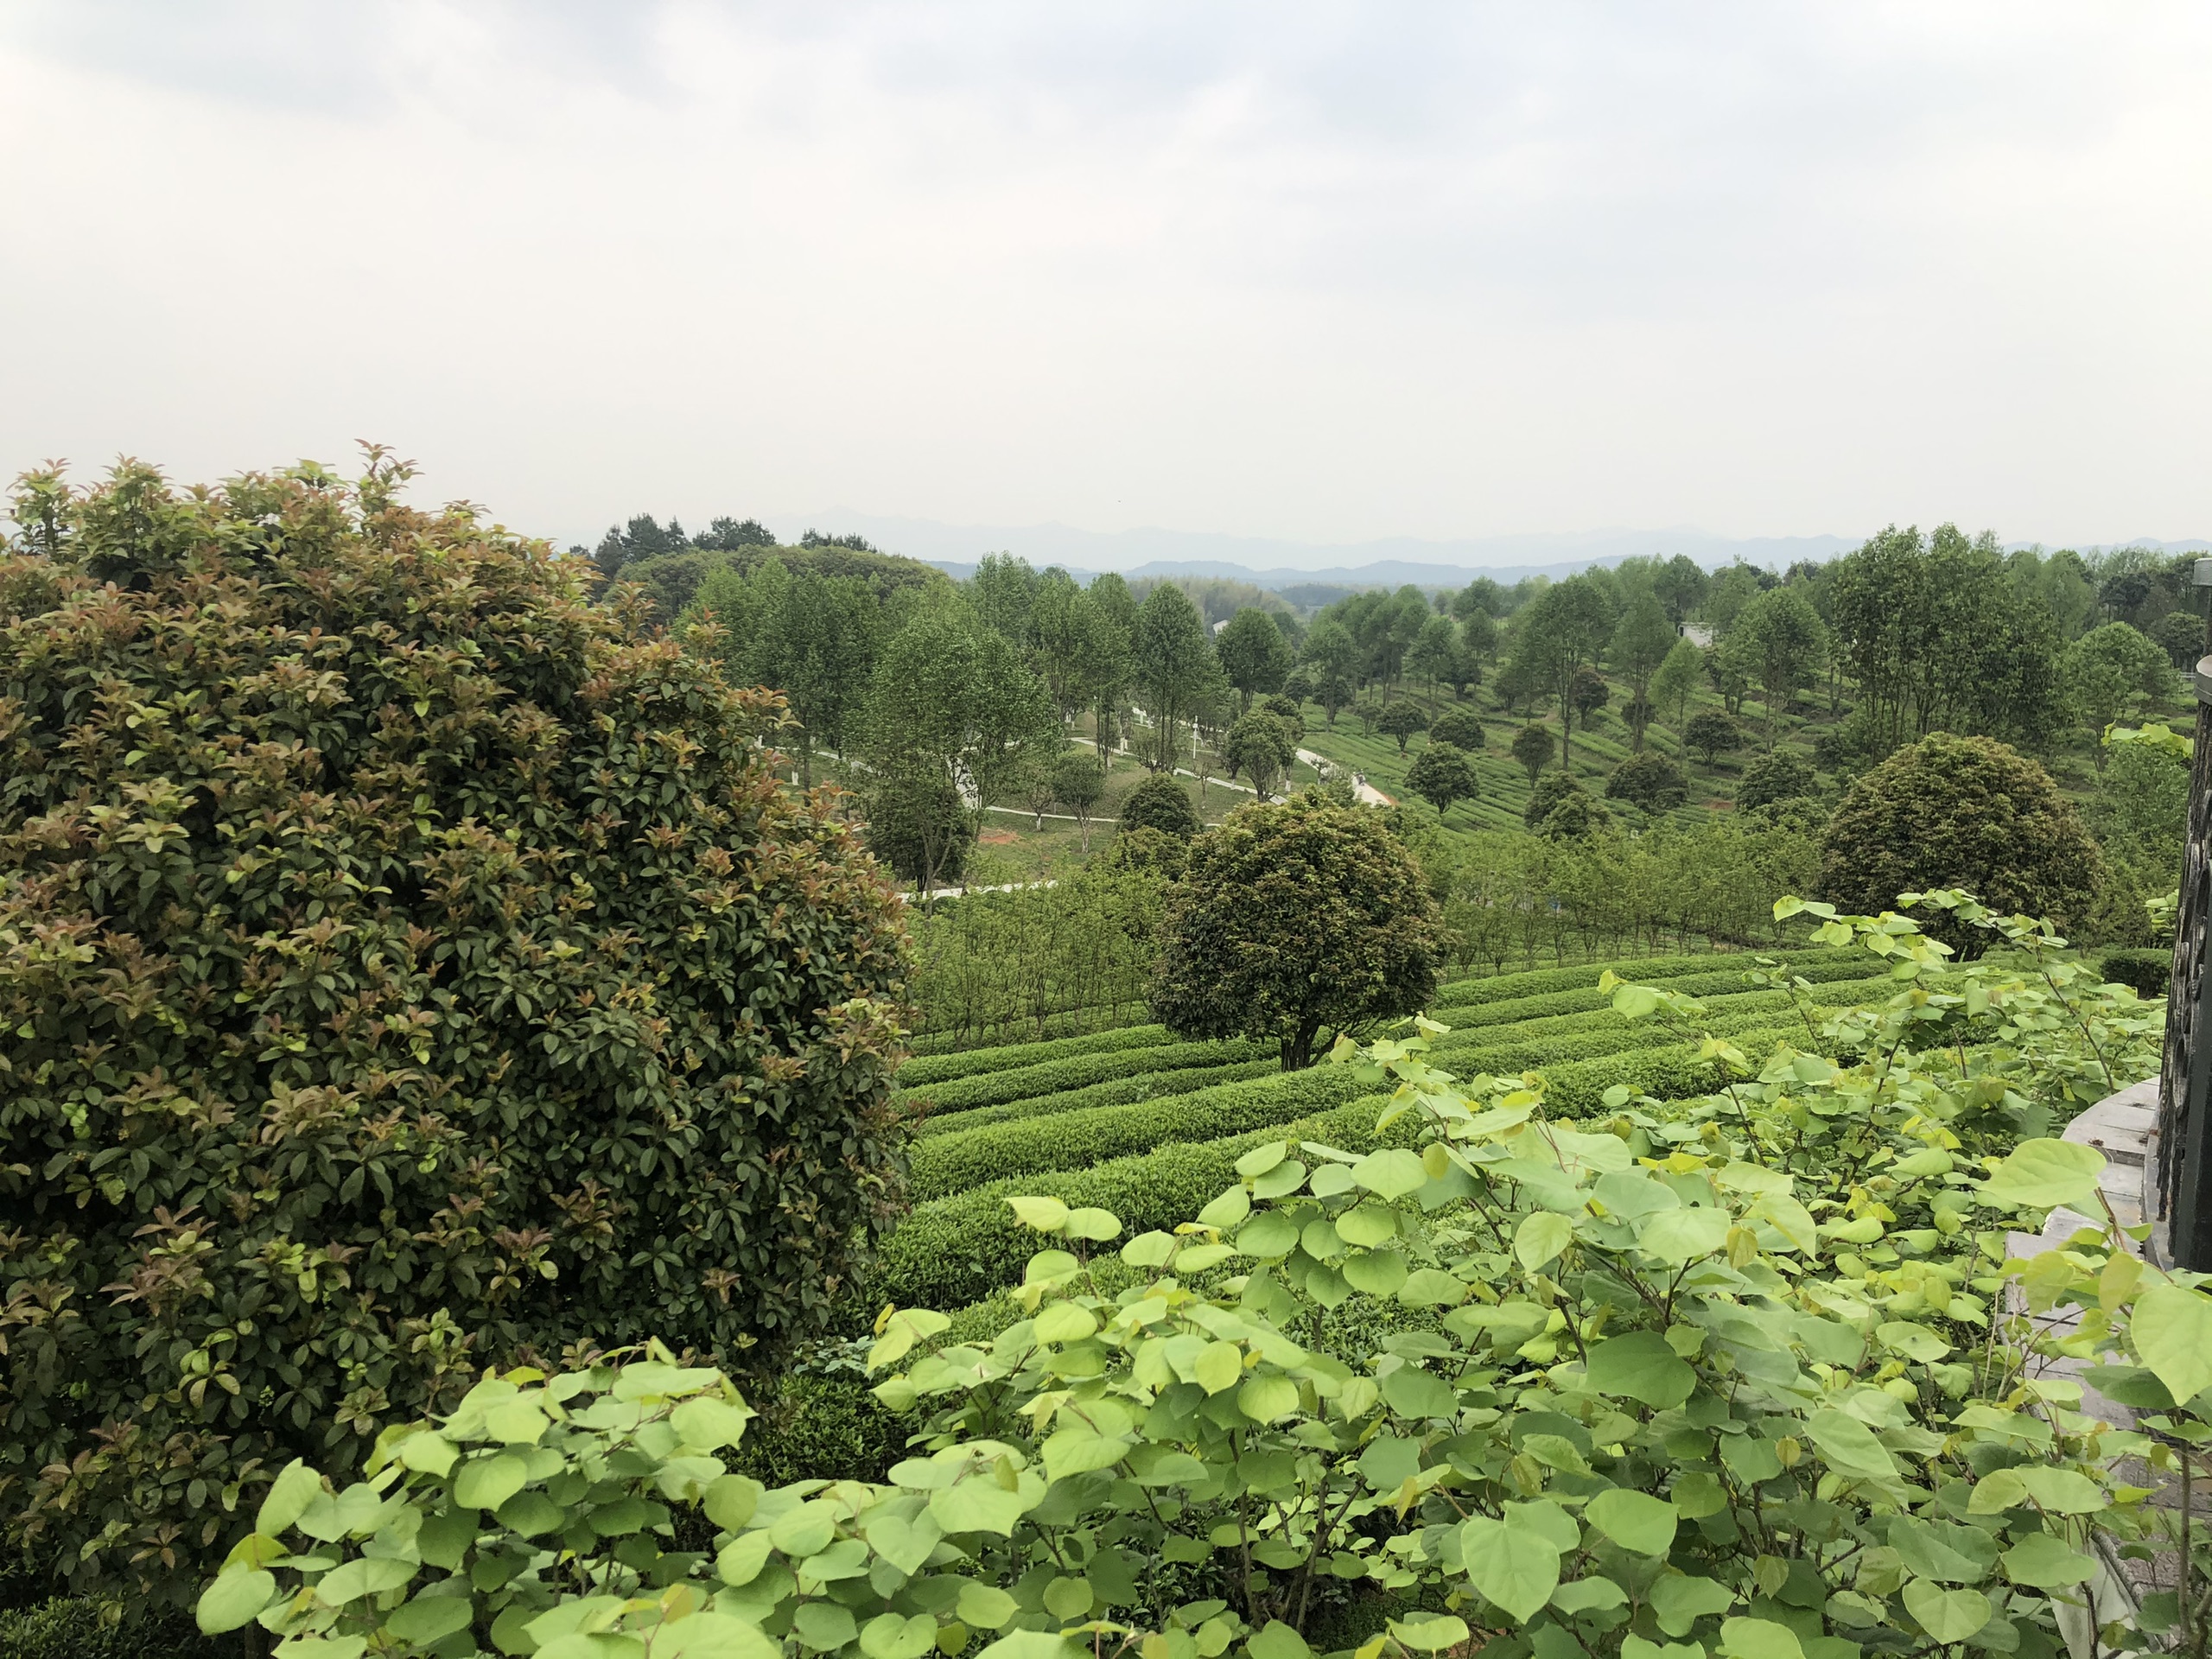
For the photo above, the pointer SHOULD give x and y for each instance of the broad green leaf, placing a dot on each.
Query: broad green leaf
(1064, 1322)
(289, 1496)
(1149, 1250)
(1759, 1638)
(706, 1635)
(324, 1647)
(806, 1530)
(1429, 1632)
(906, 1544)
(1261, 1159)
(1432, 1287)
(1269, 1234)
(1413, 1392)
(1913, 1341)
(1680, 1600)
(1635, 1647)
(365, 1575)
(730, 1500)
(1516, 1570)
(1046, 1214)
(822, 1626)
(1789, 1217)
(428, 1618)
(1378, 1272)
(1676, 1237)
(1079, 1448)
(1592, 1595)
(2044, 1562)
(1367, 1225)
(1197, 1258)
(893, 1635)
(977, 1504)
(528, 1514)
(1276, 1640)
(1995, 1492)
(1391, 1173)
(234, 1599)
(742, 1558)
(1066, 1599)
(1542, 1235)
(1849, 1446)
(1218, 1366)
(484, 1483)
(2043, 1174)
(1227, 1210)
(1093, 1224)
(1634, 1520)
(984, 1606)
(707, 1424)
(1946, 1614)
(2172, 1330)
(1640, 1366)
(432, 1454)
(1033, 1644)
(1547, 1521)
(1266, 1399)
(1942, 1550)
(2062, 1491)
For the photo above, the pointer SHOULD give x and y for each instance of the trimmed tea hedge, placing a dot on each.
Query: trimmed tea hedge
(973, 1062)
(953, 1163)
(1116, 1092)
(1052, 1077)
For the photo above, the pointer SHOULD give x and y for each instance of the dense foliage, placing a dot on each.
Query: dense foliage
(1960, 812)
(1293, 917)
(1734, 1373)
(1161, 803)
(383, 923)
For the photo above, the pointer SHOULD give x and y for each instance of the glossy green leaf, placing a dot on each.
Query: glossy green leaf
(824, 1626)
(1640, 1366)
(1268, 1398)
(1046, 1214)
(1269, 1234)
(1430, 1633)
(289, 1494)
(1515, 1569)
(1759, 1638)
(1679, 1600)
(1276, 1640)
(1636, 1520)
(1540, 1236)
(706, 1635)
(1090, 1222)
(2046, 1563)
(430, 1618)
(2062, 1491)
(486, 1483)
(895, 1636)
(1683, 1235)
(985, 1606)
(1849, 1446)
(1391, 1173)
(1219, 1365)
(365, 1575)
(2043, 1174)
(1946, 1614)
(233, 1599)
(2171, 1330)
(1227, 1210)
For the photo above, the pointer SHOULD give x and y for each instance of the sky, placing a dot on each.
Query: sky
(1320, 273)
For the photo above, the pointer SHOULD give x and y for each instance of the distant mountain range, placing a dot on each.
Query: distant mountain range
(1277, 564)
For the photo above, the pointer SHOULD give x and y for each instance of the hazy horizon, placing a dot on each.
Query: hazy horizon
(1312, 275)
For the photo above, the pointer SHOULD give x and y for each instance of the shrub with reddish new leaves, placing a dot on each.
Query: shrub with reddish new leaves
(407, 964)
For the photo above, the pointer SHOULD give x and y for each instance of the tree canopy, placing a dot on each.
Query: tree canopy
(1293, 917)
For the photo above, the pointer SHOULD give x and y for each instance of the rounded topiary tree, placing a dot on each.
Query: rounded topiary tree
(1458, 727)
(925, 832)
(1440, 775)
(1777, 775)
(1294, 917)
(1551, 789)
(1647, 779)
(1711, 734)
(1960, 812)
(1161, 803)
(407, 965)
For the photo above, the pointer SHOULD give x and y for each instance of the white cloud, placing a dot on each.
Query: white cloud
(1332, 272)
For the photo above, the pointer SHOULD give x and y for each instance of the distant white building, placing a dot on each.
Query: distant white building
(1697, 634)
(1219, 626)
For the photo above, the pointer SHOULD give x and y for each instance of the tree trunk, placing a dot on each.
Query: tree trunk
(1297, 1049)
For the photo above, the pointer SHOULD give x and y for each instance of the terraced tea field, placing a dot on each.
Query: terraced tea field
(1134, 1121)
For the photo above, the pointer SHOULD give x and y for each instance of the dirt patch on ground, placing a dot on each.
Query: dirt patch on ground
(998, 837)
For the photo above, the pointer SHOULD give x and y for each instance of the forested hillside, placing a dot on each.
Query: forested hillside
(1646, 753)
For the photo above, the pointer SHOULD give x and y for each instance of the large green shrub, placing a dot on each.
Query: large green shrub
(1967, 812)
(1291, 917)
(407, 965)
(1161, 803)
(1647, 779)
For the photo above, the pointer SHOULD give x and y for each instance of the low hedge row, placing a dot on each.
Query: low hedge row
(973, 1062)
(951, 1251)
(947, 1164)
(954, 1251)
(1835, 994)
(1116, 1092)
(1651, 970)
(1715, 982)
(1052, 1077)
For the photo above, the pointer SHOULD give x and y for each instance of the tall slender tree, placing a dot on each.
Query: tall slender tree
(1566, 627)
(1640, 644)
(1172, 664)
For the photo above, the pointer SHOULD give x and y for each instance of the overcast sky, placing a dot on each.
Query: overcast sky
(1323, 272)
